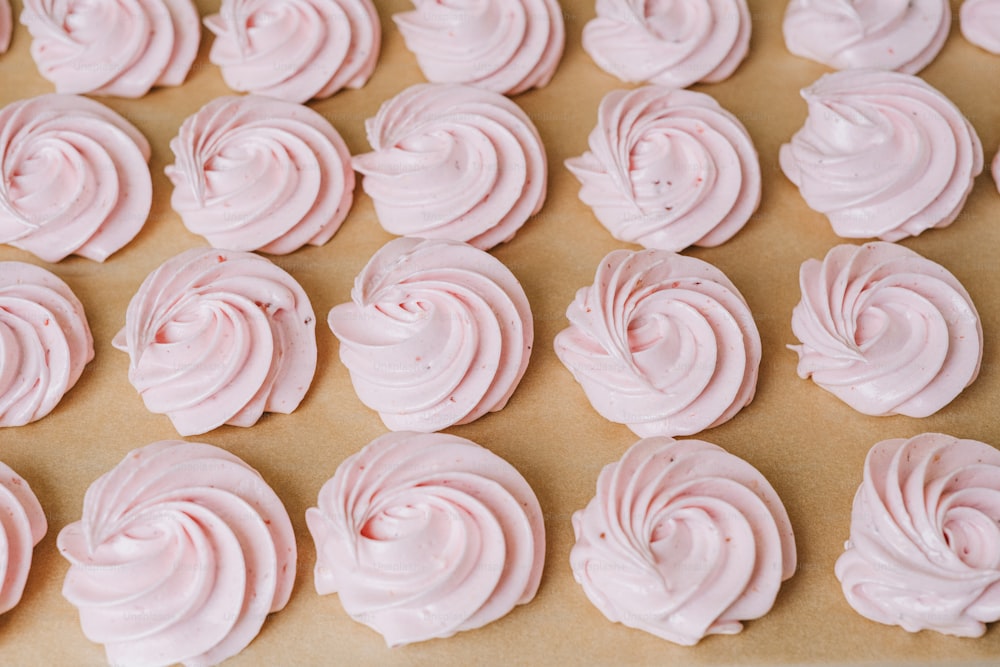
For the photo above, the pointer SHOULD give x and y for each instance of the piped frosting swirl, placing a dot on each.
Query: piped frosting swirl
(6, 25)
(22, 526)
(980, 23)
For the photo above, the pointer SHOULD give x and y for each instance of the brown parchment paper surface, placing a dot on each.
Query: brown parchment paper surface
(808, 444)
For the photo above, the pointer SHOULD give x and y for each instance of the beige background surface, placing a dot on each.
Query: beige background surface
(805, 441)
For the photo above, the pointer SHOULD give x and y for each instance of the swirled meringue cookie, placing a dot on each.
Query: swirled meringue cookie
(437, 333)
(22, 526)
(507, 46)
(662, 343)
(924, 546)
(295, 50)
(453, 162)
(6, 25)
(181, 553)
(980, 23)
(682, 540)
(45, 342)
(896, 35)
(219, 337)
(121, 48)
(73, 178)
(882, 154)
(426, 535)
(668, 169)
(673, 44)
(255, 173)
(886, 330)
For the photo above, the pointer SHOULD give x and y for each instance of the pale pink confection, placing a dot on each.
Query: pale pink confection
(45, 342)
(886, 330)
(507, 46)
(667, 42)
(181, 553)
(295, 50)
(668, 169)
(453, 162)
(682, 540)
(6, 25)
(437, 333)
(426, 535)
(924, 548)
(22, 526)
(902, 35)
(662, 343)
(256, 173)
(882, 154)
(120, 48)
(219, 337)
(980, 23)
(74, 178)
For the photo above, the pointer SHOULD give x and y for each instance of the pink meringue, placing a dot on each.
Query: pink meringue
(255, 173)
(662, 343)
(437, 333)
(295, 50)
(22, 526)
(886, 330)
(453, 162)
(426, 535)
(882, 154)
(902, 35)
(668, 169)
(980, 23)
(682, 540)
(670, 43)
(73, 178)
(219, 337)
(182, 552)
(6, 25)
(45, 342)
(507, 46)
(120, 48)
(924, 551)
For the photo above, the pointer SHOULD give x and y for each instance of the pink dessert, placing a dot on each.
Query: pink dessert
(182, 552)
(295, 50)
(682, 540)
(6, 25)
(924, 544)
(507, 46)
(73, 178)
(437, 333)
(672, 44)
(219, 337)
(980, 23)
(668, 169)
(894, 35)
(22, 526)
(453, 162)
(662, 343)
(425, 535)
(886, 330)
(882, 154)
(45, 342)
(255, 173)
(119, 48)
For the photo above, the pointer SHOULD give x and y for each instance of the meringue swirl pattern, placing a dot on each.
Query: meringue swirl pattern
(73, 178)
(426, 535)
(453, 162)
(980, 23)
(22, 526)
(682, 540)
(901, 35)
(662, 343)
(255, 173)
(120, 48)
(437, 333)
(6, 25)
(219, 337)
(181, 553)
(882, 154)
(45, 342)
(668, 169)
(672, 44)
(924, 546)
(507, 46)
(886, 330)
(295, 50)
